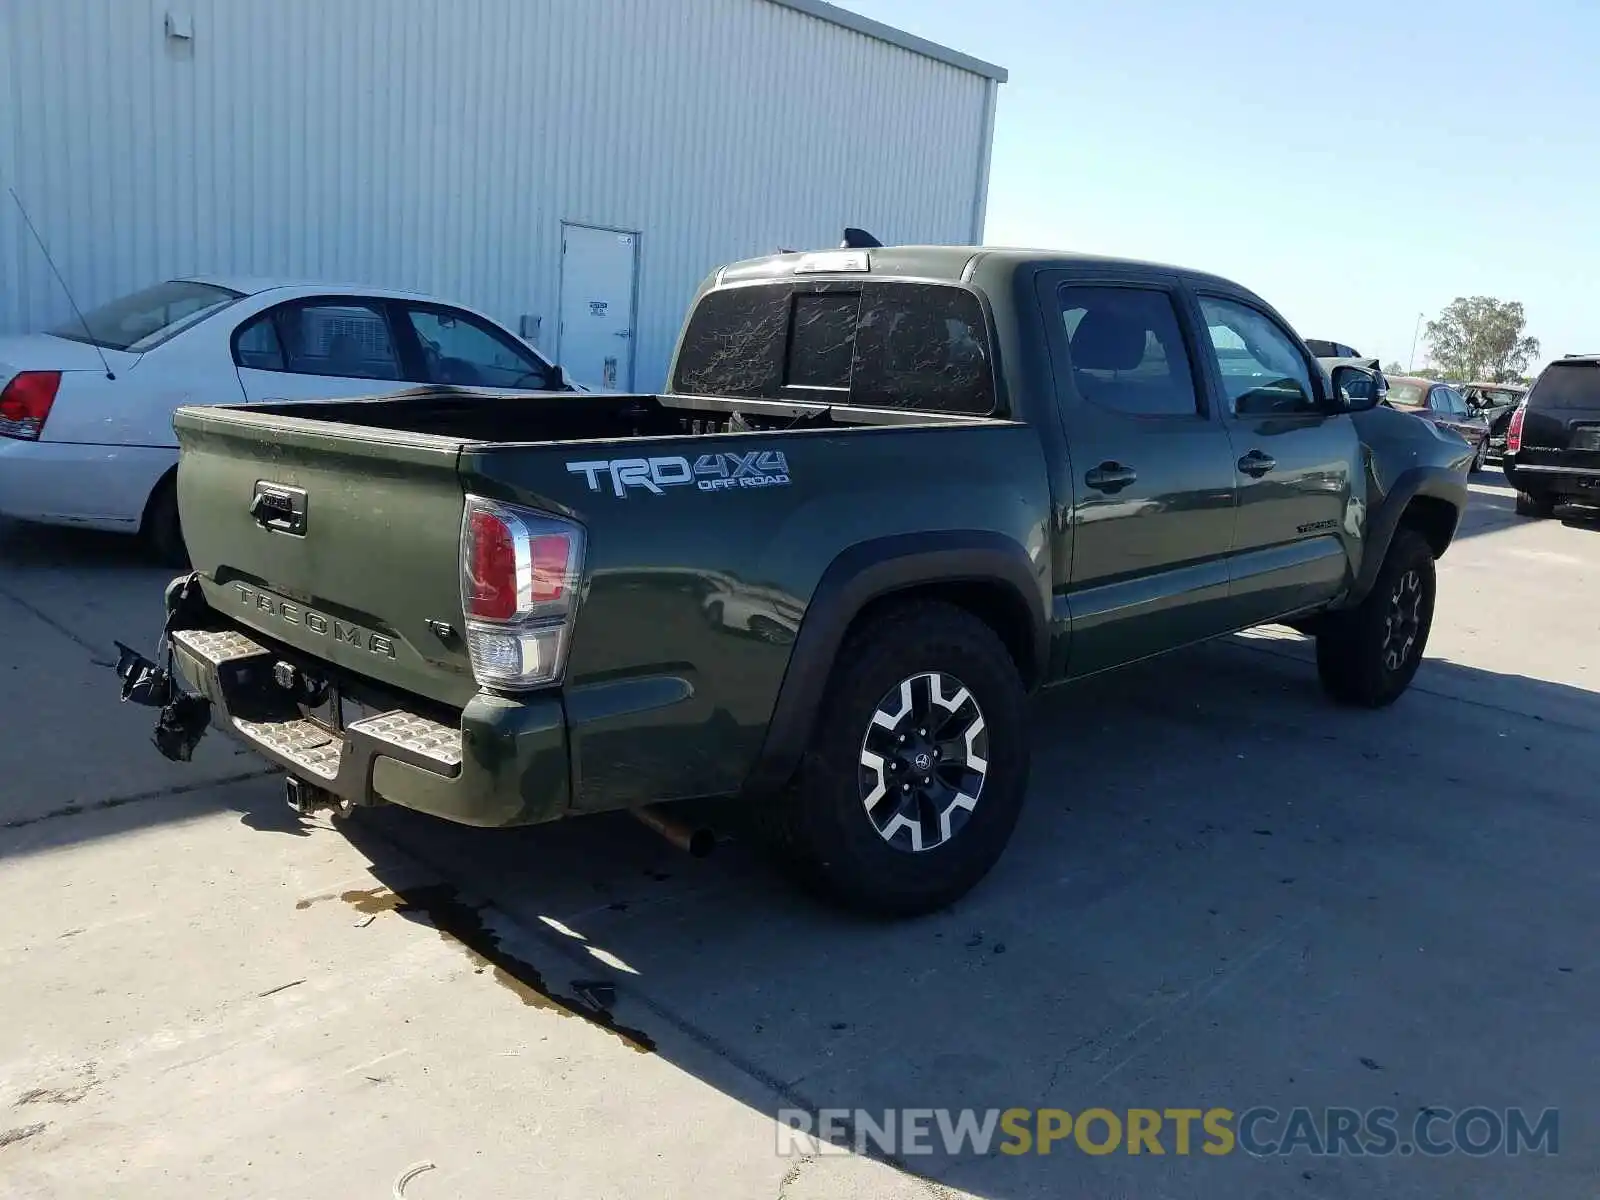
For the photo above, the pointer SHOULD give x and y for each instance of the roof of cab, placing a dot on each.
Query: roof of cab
(938, 262)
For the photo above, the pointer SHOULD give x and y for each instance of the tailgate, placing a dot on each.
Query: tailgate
(340, 541)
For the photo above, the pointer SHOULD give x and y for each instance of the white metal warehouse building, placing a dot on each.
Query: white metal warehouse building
(547, 161)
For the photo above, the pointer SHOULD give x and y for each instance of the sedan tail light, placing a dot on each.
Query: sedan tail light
(1514, 430)
(25, 403)
(521, 571)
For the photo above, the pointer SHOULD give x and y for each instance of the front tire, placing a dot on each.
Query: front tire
(1535, 504)
(918, 765)
(1367, 656)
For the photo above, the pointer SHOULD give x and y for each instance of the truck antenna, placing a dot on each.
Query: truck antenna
(45, 250)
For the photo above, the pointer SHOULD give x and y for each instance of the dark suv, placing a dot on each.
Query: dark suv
(1553, 442)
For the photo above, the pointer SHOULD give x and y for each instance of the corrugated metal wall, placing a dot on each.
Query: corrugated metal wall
(439, 146)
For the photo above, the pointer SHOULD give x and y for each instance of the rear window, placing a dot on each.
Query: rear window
(1567, 385)
(1324, 349)
(1407, 395)
(145, 319)
(1496, 396)
(879, 345)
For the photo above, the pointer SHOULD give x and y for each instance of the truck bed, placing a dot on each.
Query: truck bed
(709, 524)
(567, 417)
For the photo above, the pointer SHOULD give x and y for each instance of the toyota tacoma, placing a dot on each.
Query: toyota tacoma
(889, 493)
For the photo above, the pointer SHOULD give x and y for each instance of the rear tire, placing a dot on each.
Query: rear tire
(917, 767)
(1481, 458)
(1535, 504)
(1367, 655)
(162, 528)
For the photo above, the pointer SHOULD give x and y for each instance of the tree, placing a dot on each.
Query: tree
(1393, 368)
(1479, 337)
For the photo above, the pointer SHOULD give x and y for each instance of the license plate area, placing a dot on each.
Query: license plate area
(325, 714)
(351, 711)
(338, 712)
(1586, 437)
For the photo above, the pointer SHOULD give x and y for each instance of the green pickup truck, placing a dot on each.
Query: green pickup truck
(890, 493)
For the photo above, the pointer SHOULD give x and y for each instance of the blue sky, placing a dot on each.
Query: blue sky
(1355, 163)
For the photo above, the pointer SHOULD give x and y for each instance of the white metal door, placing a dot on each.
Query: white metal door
(597, 295)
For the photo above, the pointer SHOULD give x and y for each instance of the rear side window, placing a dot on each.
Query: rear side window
(1566, 386)
(342, 338)
(883, 345)
(257, 346)
(1127, 351)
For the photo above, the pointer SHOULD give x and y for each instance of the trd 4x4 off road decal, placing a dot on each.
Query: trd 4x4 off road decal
(709, 472)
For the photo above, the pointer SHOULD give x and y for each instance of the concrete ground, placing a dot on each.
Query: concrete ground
(1224, 893)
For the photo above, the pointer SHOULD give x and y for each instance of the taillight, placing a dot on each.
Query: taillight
(25, 403)
(520, 575)
(1514, 430)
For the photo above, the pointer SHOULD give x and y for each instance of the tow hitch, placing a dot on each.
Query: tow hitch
(307, 799)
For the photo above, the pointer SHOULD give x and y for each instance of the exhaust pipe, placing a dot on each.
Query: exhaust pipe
(697, 840)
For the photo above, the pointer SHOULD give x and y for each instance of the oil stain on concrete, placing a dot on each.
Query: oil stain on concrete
(463, 924)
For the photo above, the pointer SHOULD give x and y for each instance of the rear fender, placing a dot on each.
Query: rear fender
(874, 571)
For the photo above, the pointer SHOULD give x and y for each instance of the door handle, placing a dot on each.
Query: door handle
(623, 333)
(1110, 477)
(1256, 464)
(277, 507)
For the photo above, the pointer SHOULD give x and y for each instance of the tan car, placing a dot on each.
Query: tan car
(1445, 407)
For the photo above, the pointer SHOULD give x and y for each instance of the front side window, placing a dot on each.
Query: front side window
(1263, 373)
(1127, 350)
(145, 319)
(348, 339)
(459, 350)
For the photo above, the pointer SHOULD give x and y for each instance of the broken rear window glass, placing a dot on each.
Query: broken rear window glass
(892, 345)
(734, 344)
(822, 344)
(922, 346)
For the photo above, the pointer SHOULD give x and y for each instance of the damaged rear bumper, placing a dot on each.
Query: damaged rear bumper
(503, 762)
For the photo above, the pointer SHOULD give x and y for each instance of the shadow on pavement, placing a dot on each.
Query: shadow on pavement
(1493, 505)
(52, 547)
(1224, 893)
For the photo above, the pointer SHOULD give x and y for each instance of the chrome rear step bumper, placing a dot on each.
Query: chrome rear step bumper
(235, 673)
(504, 761)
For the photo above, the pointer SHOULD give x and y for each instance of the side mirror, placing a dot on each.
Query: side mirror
(558, 379)
(1357, 390)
